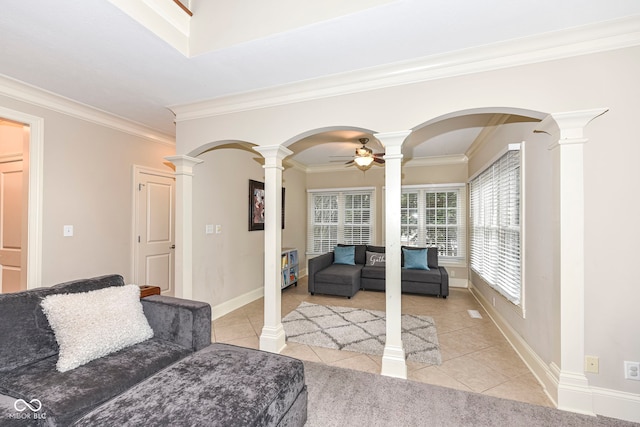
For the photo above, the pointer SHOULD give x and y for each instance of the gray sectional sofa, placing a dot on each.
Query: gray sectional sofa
(327, 277)
(177, 377)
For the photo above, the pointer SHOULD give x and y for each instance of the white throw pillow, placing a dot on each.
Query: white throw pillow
(89, 325)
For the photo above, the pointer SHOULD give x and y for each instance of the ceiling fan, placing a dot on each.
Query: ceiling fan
(364, 156)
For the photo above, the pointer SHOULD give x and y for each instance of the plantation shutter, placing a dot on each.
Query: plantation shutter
(340, 216)
(322, 229)
(411, 216)
(358, 208)
(435, 215)
(495, 225)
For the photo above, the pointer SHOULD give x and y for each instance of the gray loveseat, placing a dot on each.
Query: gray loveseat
(175, 378)
(327, 277)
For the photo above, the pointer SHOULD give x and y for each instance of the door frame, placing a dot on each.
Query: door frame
(10, 158)
(35, 171)
(138, 170)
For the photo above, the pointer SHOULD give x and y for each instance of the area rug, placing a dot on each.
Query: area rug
(360, 330)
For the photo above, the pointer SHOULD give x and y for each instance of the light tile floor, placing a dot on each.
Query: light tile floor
(475, 355)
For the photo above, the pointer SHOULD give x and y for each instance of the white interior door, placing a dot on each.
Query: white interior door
(156, 231)
(10, 225)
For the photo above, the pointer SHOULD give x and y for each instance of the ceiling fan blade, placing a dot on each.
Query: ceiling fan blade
(350, 162)
(378, 160)
(378, 154)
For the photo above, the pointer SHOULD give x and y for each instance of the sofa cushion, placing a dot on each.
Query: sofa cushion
(65, 396)
(344, 255)
(28, 337)
(220, 385)
(340, 274)
(372, 272)
(376, 259)
(426, 276)
(360, 252)
(379, 249)
(432, 255)
(415, 259)
(88, 325)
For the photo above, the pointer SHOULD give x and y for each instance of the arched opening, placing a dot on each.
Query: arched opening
(473, 137)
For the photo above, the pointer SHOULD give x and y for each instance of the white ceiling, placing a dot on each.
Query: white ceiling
(92, 52)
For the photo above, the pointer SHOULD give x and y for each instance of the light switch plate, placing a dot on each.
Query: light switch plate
(67, 230)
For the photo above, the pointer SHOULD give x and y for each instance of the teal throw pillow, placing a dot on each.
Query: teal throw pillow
(344, 255)
(415, 259)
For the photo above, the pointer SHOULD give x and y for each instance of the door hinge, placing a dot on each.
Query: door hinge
(140, 186)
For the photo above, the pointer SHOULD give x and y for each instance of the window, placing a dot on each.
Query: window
(340, 216)
(434, 215)
(495, 225)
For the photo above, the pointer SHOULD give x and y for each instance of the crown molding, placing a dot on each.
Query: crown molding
(587, 39)
(24, 92)
(453, 159)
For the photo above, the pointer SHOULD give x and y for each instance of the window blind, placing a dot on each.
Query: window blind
(340, 216)
(495, 225)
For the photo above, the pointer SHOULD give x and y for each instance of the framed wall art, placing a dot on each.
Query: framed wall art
(256, 205)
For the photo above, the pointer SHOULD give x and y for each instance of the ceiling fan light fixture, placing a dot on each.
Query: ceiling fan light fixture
(363, 161)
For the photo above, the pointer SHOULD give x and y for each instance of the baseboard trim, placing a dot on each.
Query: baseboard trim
(606, 402)
(458, 283)
(227, 307)
(536, 365)
(616, 404)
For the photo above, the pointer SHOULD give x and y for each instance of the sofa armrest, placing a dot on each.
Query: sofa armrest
(181, 321)
(444, 286)
(316, 264)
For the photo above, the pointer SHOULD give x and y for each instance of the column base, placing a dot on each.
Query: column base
(394, 363)
(574, 393)
(273, 339)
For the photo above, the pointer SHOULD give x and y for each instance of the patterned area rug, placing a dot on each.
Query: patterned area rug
(360, 330)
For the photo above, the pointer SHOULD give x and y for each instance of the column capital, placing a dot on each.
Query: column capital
(273, 152)
(184, 164)
(392, 139)
(568, 127)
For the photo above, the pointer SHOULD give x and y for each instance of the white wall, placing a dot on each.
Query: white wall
(88, 184)
(228, 268)
(607, 79)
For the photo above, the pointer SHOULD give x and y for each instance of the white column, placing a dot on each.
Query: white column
(184, 224)
(574, 393)
(273, 337)
(393, 359)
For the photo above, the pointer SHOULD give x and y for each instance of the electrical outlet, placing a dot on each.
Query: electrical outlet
(591, 364)
(632, 370)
